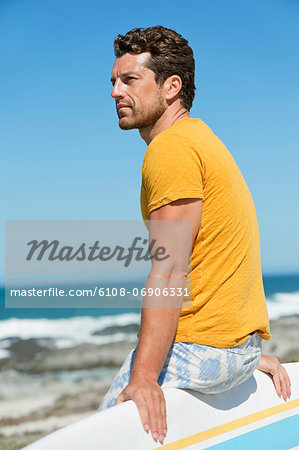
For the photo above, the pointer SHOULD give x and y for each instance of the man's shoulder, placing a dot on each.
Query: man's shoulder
(188, 130)
(186, 133)
(175, 145)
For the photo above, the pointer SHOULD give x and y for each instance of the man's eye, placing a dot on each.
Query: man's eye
(128, 79)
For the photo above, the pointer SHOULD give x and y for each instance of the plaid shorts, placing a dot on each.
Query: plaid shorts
(203, 368)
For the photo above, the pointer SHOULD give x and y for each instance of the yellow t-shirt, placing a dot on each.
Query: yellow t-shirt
(228, 302)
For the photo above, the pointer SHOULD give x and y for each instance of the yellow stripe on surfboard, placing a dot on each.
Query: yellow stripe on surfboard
(229, 426)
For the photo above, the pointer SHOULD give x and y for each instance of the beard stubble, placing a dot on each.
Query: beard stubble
(145, 118)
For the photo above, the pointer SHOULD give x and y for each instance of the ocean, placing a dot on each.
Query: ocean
(71, 327)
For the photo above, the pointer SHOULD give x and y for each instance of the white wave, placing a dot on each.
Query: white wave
(68, 332)
(77, 330)
(4, 354)
(283, 304)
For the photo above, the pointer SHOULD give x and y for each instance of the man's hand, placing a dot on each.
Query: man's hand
(279, 375)
(150, 401)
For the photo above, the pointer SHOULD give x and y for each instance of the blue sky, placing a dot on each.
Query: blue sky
(62, 153)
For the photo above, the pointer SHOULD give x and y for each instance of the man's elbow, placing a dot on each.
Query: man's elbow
(171, 269)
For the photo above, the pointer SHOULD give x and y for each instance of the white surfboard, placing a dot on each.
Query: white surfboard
(249, 416)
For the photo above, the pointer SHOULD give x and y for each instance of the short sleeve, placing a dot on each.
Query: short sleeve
(172, 169)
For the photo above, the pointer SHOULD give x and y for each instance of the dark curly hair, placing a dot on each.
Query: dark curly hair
(170, 55)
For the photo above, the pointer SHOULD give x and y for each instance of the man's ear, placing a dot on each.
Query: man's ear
(172, 87)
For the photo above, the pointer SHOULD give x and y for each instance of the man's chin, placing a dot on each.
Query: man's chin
(125, 124)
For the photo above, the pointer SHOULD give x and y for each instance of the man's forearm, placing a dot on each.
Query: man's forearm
(158, 328)
(157, 332)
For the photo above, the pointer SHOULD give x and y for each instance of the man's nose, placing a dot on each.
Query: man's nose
(117, 91)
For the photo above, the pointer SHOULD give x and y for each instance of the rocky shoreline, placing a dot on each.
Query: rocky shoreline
(43, 388)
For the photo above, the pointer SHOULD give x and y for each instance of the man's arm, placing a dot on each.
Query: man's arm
(158, 325)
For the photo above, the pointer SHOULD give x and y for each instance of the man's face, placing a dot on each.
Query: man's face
(139, 99)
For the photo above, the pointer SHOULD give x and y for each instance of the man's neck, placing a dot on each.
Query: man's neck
(165, 121)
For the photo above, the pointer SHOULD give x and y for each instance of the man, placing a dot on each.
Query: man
(188, 174)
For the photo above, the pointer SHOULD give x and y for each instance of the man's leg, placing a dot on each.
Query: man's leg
(202, 368)
(207, 369)
(120, 382)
